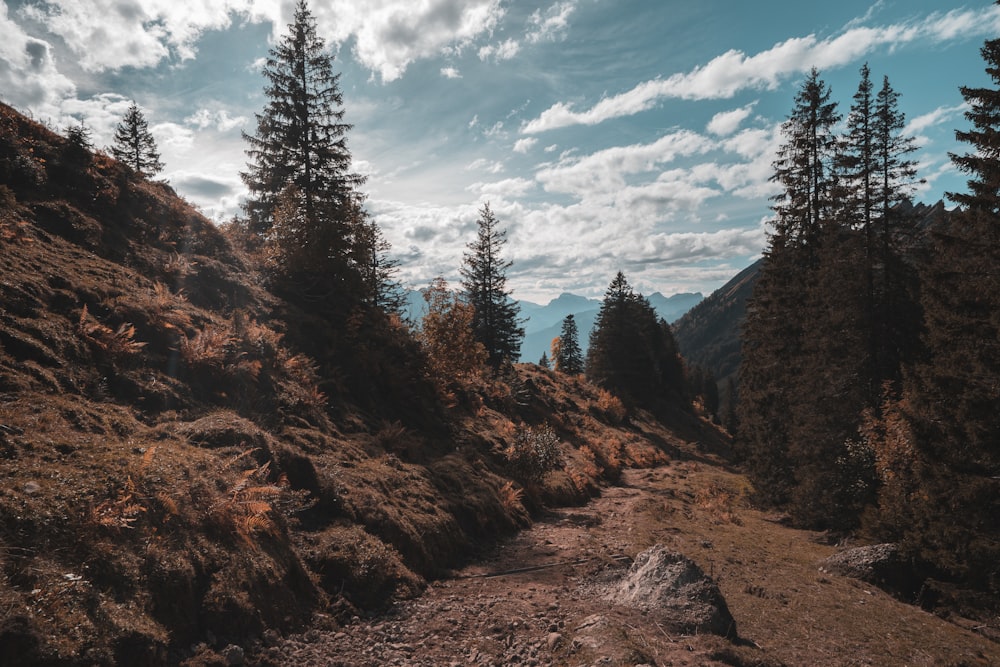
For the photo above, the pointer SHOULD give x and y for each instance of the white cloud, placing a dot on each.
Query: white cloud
(111, 34)
(524, 145)
(28, 74)
(503, 51)
(551, 148)
(482, 164)
(509, 187)
(725, 123)
(391, 34)
(450, 73)
(218, 119)
(603, 173)
(494, 130)
(553, 23)
(388, 35)
(936, 117)
(733, 71)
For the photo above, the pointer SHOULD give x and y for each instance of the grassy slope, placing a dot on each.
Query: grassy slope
(175, 471)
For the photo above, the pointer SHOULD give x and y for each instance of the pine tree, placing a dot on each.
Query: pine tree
(380, 286)
(805, 164)
(857, 162)
(299, 154)
(632, 353)
(543, 361)
(896, 313)
(134, 144)
(570, 357)
(804, 349)
(954, 513)
(484, 284)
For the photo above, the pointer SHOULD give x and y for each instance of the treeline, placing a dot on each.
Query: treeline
(870, 381)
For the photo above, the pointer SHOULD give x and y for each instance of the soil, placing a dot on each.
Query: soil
(540, 598)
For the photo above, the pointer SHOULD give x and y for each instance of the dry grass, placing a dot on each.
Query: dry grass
(118, 342)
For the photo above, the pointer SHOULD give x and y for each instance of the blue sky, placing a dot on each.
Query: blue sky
(607, 135)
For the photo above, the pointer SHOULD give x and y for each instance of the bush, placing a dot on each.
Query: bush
(533, 453)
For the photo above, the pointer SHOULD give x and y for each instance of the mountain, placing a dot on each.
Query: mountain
(708, 335)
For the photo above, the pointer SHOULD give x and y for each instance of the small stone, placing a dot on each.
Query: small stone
(553, 640)
(32, 488)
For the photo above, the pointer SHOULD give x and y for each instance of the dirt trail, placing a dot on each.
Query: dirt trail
(787, 611)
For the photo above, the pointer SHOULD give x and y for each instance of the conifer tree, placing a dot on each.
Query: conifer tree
(632, 353)
(484, 284)
(952, 517)
(299, 156)
(380, 286)
(543, 361)
(134, 144)
(896, 314)
(570, 357)
(857, 162)
(805, 164)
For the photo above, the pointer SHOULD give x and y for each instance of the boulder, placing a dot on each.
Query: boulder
(674, 590)
(880, 565)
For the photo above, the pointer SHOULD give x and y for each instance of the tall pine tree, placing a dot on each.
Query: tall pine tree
(783, 312)
(302, 193)
(804, 167)
(134, 144)
(484, 284)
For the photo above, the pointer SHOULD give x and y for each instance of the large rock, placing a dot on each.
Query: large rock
(881, 565)
(674, 589)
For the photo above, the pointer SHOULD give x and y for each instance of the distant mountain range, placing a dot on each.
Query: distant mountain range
(544, 322)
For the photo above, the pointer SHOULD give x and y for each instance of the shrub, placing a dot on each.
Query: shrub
(533, 452)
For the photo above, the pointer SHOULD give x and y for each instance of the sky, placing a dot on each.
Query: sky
(606, 135)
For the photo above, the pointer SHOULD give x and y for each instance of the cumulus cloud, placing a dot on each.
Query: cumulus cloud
(391, 34)
(111, 34)
(734, 71)
(524, 145)
(482, 164)
(509, 187)
(450, 73)
(605, 171)
(388, 35)
(726, 122)
(28, 74)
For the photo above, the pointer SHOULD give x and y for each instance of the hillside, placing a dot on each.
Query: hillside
(709, 334)
(176, 472)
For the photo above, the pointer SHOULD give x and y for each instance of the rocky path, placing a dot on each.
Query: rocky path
(543, 598)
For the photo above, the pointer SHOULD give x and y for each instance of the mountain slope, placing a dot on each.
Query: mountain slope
(708, 335)
(188, 458)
